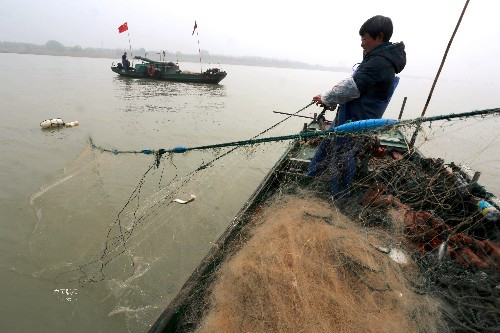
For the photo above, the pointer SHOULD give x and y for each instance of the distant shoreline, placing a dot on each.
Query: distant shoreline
(55, 48)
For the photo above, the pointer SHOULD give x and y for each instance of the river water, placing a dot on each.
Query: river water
(60, 200)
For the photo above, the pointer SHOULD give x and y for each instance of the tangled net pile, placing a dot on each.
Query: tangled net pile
(303, 268)
(309, 268)
(436, 209)
(405, 249)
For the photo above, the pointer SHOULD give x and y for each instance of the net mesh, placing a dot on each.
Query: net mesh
(402, 246)
(316, 271)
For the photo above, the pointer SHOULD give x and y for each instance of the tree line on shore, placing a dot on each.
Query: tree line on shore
(56, 48)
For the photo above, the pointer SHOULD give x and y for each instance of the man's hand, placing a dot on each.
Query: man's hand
(317, 99)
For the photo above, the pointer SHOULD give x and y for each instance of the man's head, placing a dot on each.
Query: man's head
(375, 31)
(125, 53)
(377, 25)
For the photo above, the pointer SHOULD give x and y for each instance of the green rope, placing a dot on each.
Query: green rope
(301, 135)
(453, 115)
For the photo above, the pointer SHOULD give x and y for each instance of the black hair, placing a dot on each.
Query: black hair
(375, 25)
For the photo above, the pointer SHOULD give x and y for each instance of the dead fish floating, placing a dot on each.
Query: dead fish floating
(183, 202)
(57, 122)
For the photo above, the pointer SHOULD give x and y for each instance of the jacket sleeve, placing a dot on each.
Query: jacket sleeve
(343, 92)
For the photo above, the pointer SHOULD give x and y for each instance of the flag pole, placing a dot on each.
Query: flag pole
(123, 28)
(198, 37)
(199, 51)
(129, 44)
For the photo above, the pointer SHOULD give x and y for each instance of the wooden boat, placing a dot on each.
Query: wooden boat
(167, 71)
(182, 314)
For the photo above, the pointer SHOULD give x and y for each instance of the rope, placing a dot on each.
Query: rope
(302, 135)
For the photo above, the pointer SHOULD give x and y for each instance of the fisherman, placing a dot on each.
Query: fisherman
(125, 62)
(364, 95)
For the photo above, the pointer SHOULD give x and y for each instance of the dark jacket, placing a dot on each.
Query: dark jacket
(125, 61)
(375, 81)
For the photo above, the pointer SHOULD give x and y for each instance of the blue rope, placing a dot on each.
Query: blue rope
(374, 125)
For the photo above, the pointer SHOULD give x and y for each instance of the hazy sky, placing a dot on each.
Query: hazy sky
(316, 32)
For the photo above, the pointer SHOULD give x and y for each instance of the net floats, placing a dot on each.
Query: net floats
(57, 122)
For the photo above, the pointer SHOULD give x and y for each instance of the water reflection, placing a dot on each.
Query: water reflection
(150, 104)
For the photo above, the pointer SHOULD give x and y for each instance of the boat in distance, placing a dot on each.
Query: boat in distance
(167, 71)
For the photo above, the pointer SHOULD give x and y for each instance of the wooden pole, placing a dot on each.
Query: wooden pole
(402, 108)
(414, 137)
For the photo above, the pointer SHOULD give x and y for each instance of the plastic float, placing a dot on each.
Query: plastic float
(57, 122)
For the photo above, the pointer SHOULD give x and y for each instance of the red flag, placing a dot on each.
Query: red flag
(195, 26)
(123, 27)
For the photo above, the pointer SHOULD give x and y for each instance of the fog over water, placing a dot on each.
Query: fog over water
(315, 32)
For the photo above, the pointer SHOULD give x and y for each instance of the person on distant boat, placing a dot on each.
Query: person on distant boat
(364, 95)
(125, 62)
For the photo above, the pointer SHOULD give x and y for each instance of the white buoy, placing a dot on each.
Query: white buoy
(57, 122)
(46, 123)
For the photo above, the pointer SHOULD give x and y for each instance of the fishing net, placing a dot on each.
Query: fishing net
(408, 243)
(317, 271)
